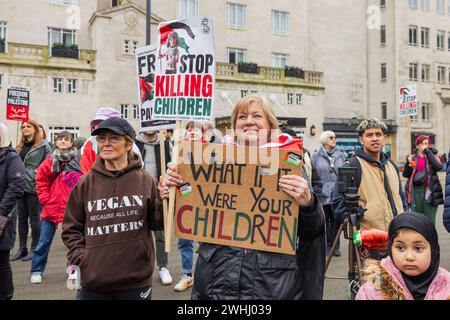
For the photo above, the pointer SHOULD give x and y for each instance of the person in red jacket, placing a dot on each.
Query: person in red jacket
(53, 194)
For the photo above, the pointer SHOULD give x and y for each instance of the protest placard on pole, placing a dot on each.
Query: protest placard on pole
(17, 103)
(408, 106)
(231, 196)
(184, 80)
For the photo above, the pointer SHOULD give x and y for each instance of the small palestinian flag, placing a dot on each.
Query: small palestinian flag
(184, 190)
(293, 158)
(167, 29)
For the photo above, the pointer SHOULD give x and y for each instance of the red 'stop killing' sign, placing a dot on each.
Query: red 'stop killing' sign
(17, 104)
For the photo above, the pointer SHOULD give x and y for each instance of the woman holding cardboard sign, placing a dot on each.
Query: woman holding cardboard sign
(225, 272)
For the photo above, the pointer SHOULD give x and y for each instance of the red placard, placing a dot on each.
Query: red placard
(17, 104)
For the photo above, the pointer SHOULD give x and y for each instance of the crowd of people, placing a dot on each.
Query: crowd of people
(107, 192)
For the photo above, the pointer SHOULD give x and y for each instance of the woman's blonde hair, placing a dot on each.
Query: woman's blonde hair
(4, 136)
(266, 106)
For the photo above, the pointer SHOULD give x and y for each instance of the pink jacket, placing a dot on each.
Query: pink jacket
(438, 290)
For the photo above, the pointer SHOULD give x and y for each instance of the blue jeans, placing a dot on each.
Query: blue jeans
(186, 248)
(40, 254)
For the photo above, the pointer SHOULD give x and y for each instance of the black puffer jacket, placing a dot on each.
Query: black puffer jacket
(12, 184)
(231, 273)
(437, 196)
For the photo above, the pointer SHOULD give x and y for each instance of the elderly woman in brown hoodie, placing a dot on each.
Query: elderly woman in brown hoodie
(109, 218)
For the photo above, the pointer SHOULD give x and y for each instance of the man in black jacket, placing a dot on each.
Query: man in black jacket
(12, 185)
(150, 148)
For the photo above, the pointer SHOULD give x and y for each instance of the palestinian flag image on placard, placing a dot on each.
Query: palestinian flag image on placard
(293, 158)
(145, 84)
(184, 190)
(170, 38)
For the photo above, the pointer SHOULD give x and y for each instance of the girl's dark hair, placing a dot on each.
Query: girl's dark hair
(64, 134)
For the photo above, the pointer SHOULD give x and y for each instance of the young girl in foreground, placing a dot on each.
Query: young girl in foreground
(411, 270)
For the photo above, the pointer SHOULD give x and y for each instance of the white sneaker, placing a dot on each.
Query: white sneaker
(184, 283)
(165, 277)
(36, 278)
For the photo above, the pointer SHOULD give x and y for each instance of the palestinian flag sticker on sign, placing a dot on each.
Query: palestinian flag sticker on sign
(184, 190)
(293, 159)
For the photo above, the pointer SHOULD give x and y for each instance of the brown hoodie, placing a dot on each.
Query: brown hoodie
(107, 227)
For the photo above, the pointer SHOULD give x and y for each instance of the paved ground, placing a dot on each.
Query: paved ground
(53, 286)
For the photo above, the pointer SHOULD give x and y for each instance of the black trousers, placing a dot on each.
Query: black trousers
(6, 276)
(131, 294)
(29, 207)
(332, 227)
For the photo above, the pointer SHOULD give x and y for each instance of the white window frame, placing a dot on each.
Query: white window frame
(61, 31)
(240, 55)
(58, 85)
(244, 93)
(280, 22)
(440, 7)
(440, 36)
(290, 98)
(382, 3)
(232, 14)
(424, 35)
(448, 40)
(72, 86)
(124, 111)
(384, 111)
(185, 9)
(1, 79)
(63, 2)
(383, 35)
(412, 35)
(425, 73)
(4, 33)
(413, 71)
(135, 111)
(54, 130)
(425, 5)
(426, 112)
(298, 99)
(118, 3)
(383, 68)
(280, 60)
(126, 46)
(412, 4)
(441, 74)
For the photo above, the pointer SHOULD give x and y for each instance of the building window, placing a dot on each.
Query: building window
(383, 72)
(68, 2)
(1, 78)
(236, 55)
(425, 37)
(115, 3)
(63, 37)
(447, 79)
(135, 111)
(126, 46)
(71, 85)
(298, 99)
(426, 72)
(448, 40)
(440, 35)
(425, 5)
(54, 130)
(413, 67)
(124, 111)
(412, 35)
(57, 85)
(187, 8)
(448, 9)
(383, 36)
(384, 110)
(290, 98)
(244, 93)
(382, 3)
(279, 60)
(236, 15)
(440, 7)
(426, 112)
(3, 30)
(413, 4)
(441, 74)
(280, 22)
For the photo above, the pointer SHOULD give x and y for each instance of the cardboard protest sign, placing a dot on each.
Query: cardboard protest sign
(17, 104)
(408, 101)
(231, 196)
(145, 62)
(185, 70)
